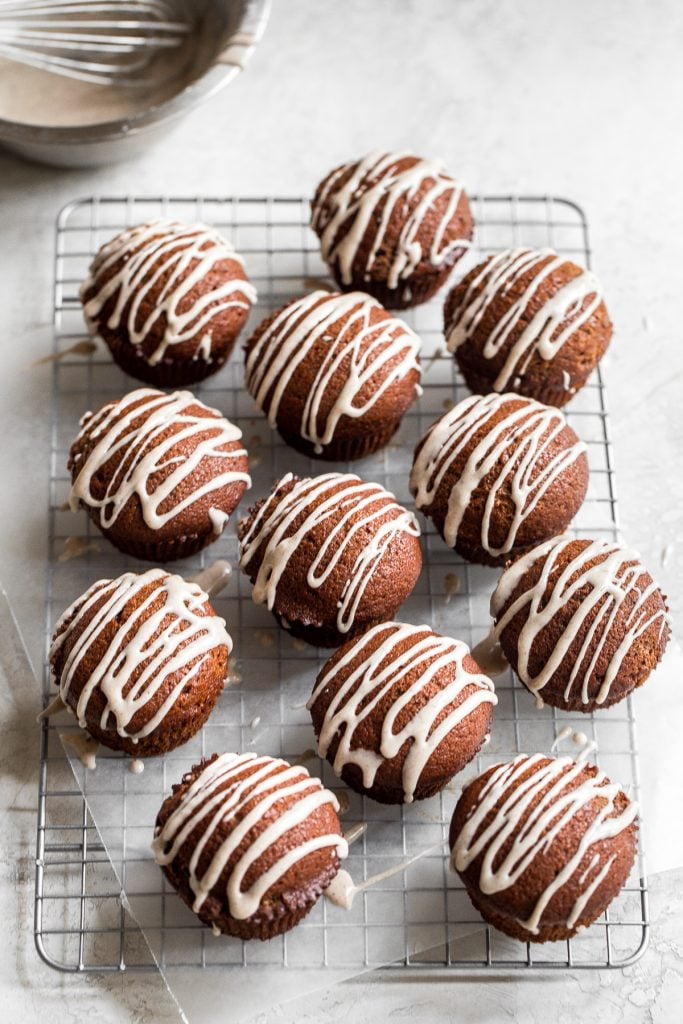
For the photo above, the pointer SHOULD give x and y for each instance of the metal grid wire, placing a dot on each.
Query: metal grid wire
(81, 918)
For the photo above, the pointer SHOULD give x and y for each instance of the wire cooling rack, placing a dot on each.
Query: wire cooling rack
(82, 921)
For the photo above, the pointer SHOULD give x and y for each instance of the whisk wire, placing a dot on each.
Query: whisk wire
(108, 42)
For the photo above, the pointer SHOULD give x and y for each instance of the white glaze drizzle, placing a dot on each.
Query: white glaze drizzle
(342, 889)
(368, 346)
(368, 684)
(562, 735)
(354, 832)
(519, 447)
(353, 205)
(184, 254)
(583, 899)
(218, 797)
(86, 347)
(172, 639)
(74, 547)
(546, 331)
(55, 706)
(84, 746)
(214, 577)
(608, 584)
(579, 739)
(507, 797)
(219, 520)
(145, 450)
(319, 501)
(489, 656)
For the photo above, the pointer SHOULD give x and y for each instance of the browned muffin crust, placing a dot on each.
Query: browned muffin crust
(607, 649)
(371, 552)
(148, 280)
(484, 329)
(326, 353)
(498, 475)
(120, 461)
(293, 895)
(91, 640)
(365, 674)
(428, 209)
(606, 862)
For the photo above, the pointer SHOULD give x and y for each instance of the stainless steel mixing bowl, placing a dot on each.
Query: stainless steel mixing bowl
(225, 36)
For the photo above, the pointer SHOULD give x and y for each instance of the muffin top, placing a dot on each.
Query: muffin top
(319, 548)
(130, 649)
(523, 308)
(327, 360)
(498, 473)
(276, 836)
(537, 836)
(141, 462)
(388, 215)
(394, 694)
(581, 621)
(166, 287)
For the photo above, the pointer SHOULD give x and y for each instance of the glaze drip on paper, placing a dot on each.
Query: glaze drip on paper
(220, 796)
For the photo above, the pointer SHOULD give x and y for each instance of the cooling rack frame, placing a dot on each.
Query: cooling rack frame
(82, 921)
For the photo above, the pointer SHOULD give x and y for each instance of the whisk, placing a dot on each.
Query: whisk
(108, 43)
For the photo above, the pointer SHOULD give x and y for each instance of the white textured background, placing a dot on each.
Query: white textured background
(582, 98)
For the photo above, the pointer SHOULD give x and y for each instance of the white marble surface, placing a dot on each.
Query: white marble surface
(573, 96)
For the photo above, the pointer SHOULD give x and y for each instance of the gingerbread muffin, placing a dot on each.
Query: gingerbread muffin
(399, 710)
(169, 300)
(330, 555)
(498, 474)
(543, 845)
(158, 474)
(141, 660)
(393, 225)
(249, 843)
(581, 622)
(528, 321)
(334, 373)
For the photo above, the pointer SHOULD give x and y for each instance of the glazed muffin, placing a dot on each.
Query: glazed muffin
(498, 474)
(399, 710)
(543, 845)
(528, 321)
(334, 373)
(581, 622)
(330, 555)
(140, 661)
(158, 474)
(255, 869)
(169, 300)
(393, 225)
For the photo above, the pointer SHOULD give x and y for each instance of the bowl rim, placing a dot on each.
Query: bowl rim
(226, 66)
